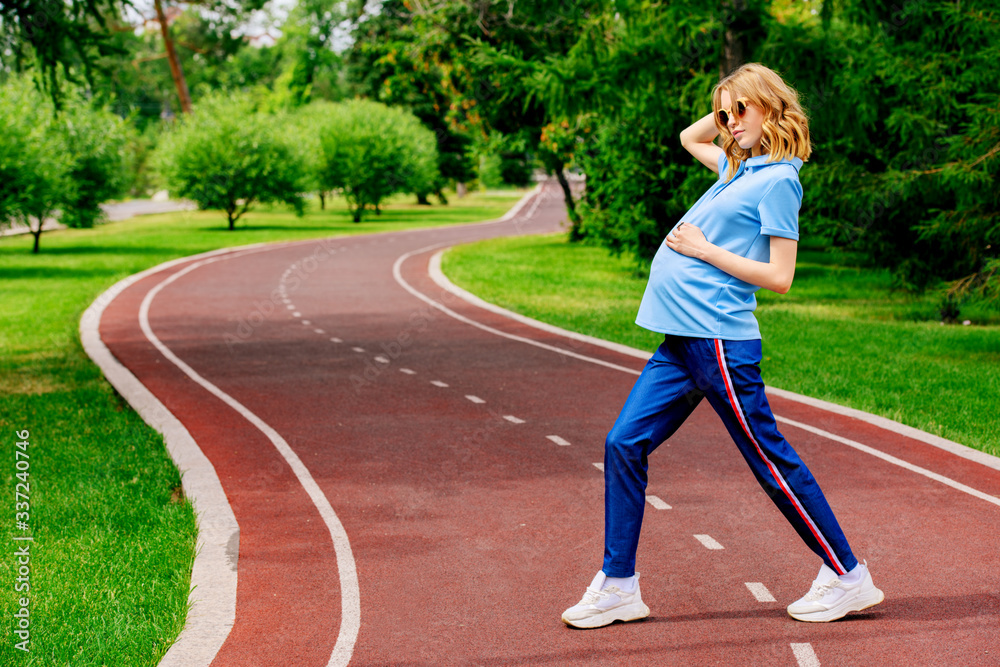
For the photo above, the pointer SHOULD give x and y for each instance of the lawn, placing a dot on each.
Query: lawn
(842, 334)
(110, 563)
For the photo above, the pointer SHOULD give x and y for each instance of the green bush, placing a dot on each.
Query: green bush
(33, 158)
(98, 144)
(228, 156)
(370, 151)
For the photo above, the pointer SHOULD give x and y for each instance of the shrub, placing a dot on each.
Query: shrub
(33, 158)
(371, 151)
(228, 156)
(98, 145)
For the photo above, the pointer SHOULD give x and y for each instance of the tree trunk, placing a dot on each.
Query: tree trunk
(322, 200)
(38, 237)
(422, 199)
(736, 41)
(568, 194)
(460, 190)
(175, 64)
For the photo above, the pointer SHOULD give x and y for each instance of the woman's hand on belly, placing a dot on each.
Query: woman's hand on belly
(775, 275)
(688, 240)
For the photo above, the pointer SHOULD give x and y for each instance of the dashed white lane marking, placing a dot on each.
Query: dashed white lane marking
(760, 591)
(708, 542)
(291, 307)
(657, 503)
(306, 322)
(474, 399)
(559, 441)
(358, 349)
(319, 331)
(599, 466)
(438, 383)
(336, 340)
(296, 314)
(407, 371)
(513, 420)
(805, 655)
(434, 269)
(381, 359)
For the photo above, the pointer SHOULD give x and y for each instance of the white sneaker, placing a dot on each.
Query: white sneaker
(602, 606)
(830, 598)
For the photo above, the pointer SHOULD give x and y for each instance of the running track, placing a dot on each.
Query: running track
(387, 474)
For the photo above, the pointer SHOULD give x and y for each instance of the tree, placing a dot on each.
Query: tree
(59, 36)
(33, 158)
(387, 63)
(371, 151)
(97, 144)
(227, 156)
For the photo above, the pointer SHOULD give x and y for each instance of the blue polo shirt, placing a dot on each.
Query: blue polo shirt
(690, 297)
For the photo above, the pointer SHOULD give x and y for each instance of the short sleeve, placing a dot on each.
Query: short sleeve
(779, 209)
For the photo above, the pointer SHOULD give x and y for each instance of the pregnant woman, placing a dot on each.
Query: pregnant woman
(741, 235)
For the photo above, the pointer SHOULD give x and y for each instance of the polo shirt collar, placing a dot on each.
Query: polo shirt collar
(761, 160)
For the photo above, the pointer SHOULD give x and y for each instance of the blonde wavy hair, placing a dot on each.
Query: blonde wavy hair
(785, 128)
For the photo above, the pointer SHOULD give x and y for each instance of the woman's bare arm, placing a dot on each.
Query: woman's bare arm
(775, 275)
(697, 140)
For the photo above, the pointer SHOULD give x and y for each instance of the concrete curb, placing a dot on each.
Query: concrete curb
(212, 599)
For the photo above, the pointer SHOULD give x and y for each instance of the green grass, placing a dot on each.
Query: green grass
(841, 334)
(114, 538)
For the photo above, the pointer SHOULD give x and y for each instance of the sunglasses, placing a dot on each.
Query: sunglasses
(741, 109)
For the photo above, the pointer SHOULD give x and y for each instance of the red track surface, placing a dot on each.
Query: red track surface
(472, 533)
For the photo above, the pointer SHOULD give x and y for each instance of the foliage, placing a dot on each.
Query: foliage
(371, 151)
(60, 37)
(33, 159)
(910, 176)
(386, 62)
(228, 156)
(97, 144)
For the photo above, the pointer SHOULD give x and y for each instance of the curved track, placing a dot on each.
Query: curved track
(414, 481)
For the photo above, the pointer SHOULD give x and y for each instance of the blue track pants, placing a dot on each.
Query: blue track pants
(680, 373)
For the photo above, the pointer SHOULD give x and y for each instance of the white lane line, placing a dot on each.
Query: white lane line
(559, 441)
(474, 399)
(438, 383)
(708, 542)
(397, 274)
(336, 340)
(319, 331)
(434, 270)
(350, 593)
(513, 420)
(760, 591)
(296, 314)
(381, 359)
(892, 459)
(407, 371)
(306, 322)
(599, 466)
(358, 349)
(805, 655)
(657, 503)
(212, 610)
(291, 307)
